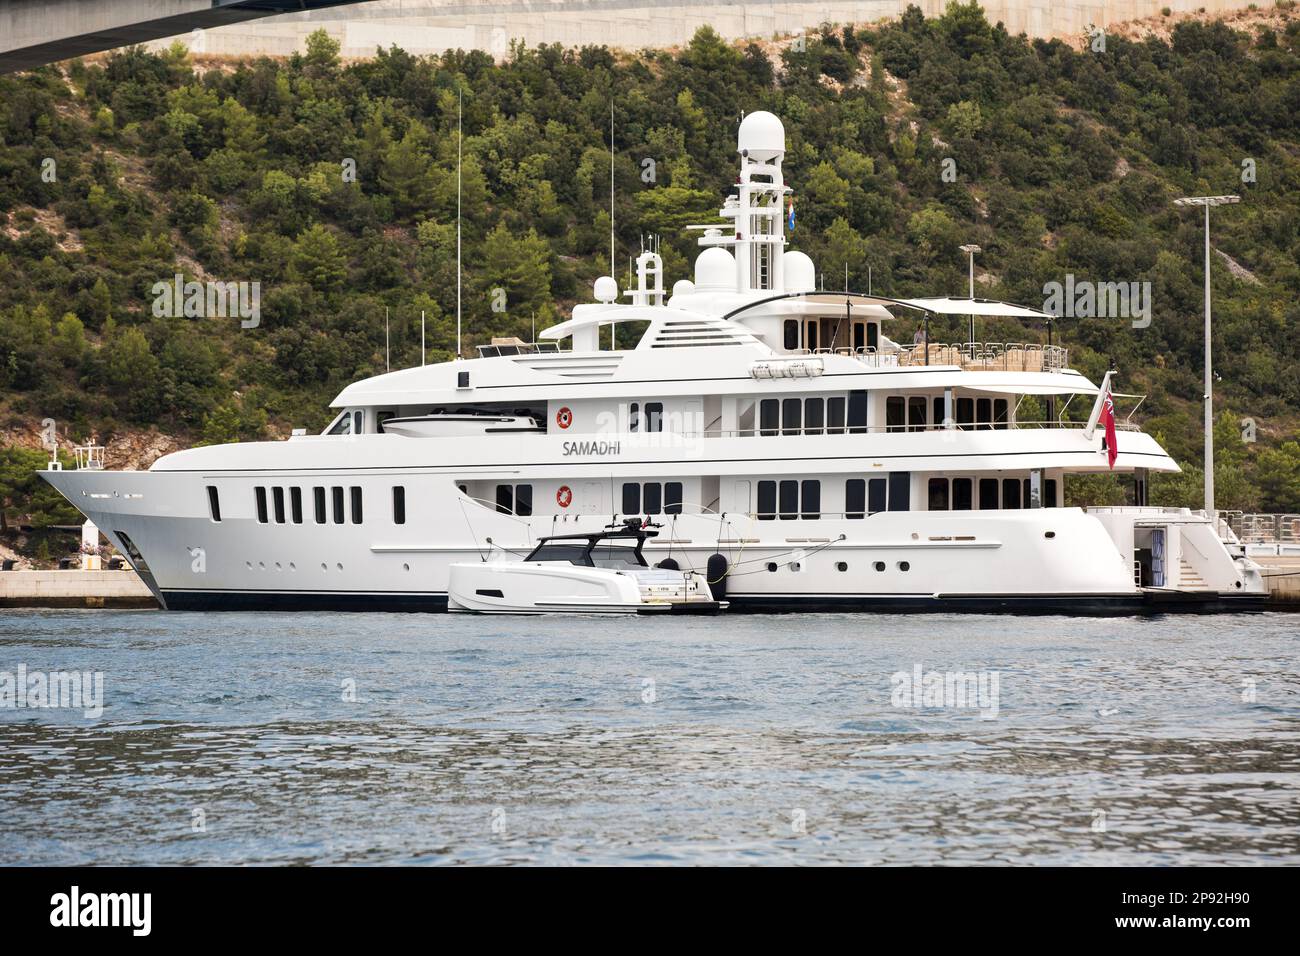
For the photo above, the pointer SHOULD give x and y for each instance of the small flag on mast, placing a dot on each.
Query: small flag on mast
(790, 217)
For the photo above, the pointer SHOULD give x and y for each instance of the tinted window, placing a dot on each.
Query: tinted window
(916, 413)
(631, 498)
(965, 411)
(814, 415)
(318, 494)
(900, 490)
(1011, 492)
(356, 505)
(938, 497)
(789, 503)
(988, 494)
(857, 411)
(769, 415)
(767, 500)
(295, 504)
(855, 498)
(652, 497)
(1049, 493)
(214, 503)
(810, 499)
(1000, 413)
(963, 491)
(336, 493)
(835, 415)
(894, 413)
(277, 496)
(399, 505)
(523, 500)
(654, 416)
(260, 494)
(877, 495)
(790, 331)
(505, 499)
(791, 416)
(673, 498)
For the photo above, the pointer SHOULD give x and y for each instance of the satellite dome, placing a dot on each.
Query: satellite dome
(715, 270)
(799, 273)
(683, 287)
(761, 135)
(606, 289)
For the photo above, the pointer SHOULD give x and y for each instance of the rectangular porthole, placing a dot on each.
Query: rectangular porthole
(260, 493)
(399, 505)
(318, 498)
(214, 503)
(295, 504)
(336, 493)
(356, 505)
(277, 495)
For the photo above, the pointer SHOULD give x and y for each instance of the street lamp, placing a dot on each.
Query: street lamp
(1207, 202)
(971, 250)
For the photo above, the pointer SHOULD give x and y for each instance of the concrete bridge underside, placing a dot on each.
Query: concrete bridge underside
(35, 32)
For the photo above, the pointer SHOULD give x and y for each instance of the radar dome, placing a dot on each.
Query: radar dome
(761, 136)
(799, 273)
(715, 269)
(683, 287)
(606, 289)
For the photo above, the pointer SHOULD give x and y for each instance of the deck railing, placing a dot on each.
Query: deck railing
(971, 356)
(1252, 528)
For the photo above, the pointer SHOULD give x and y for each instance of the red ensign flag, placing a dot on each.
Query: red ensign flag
(1108, 419)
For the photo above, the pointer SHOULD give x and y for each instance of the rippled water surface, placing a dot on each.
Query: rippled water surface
(232, 738)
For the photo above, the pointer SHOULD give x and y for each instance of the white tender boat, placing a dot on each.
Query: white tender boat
(598, 572)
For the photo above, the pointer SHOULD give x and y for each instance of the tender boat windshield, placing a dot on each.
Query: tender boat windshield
(612, 556)
(572, 553)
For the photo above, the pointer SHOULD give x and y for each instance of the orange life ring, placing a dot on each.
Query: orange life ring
(564, 417)
(564, 497)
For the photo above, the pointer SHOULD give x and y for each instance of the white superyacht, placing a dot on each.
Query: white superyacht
(789, 448)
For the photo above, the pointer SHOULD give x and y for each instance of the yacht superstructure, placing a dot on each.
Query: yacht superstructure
(791, 448)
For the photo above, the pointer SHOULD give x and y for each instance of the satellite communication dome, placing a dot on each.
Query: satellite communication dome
(761, 136)
(715, 269)
(683, 287)
(606, 289)
(799, 272)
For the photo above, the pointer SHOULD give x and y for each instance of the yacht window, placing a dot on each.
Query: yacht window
(634, 416)
(746, 419)
(988, 494)
(769, 415)
(524, 500)
(789, 499)
(1049, 493)
(652, 497)
(260, 494)
(900, 491)
(791, 416)
(336, 493)
(877, 495)
(766, 500)
(342, 425)
(277, 496)
(984, 411)
(999, 413)
(295, 504)
(381, 417)
(505, 499)
(399, 504)
(939, 415)
(857, 411)
(214, 503)
(963, 492)
(810, 334)
(791, 334)
(835, 415)
(614, 556)
(938, 494)
(859, 335)
(1011, 492)
(873, 336)
(916, 413)
(965, 411)
(654, 416)
(1026, 501)
(358, 418)
(356, 505)
(318, 496)
(672, 498)
(573, 553)
(895, 413)
(855, 498)
(810, 500)
(631, 498)
(814, 416)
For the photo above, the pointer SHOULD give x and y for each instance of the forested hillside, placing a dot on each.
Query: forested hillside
(1066, 162)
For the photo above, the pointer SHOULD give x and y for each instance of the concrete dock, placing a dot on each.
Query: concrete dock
(74, 588)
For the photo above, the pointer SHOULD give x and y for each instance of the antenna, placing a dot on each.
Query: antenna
(422, 336)
(388, 363)
(611, 184)
(460, 104)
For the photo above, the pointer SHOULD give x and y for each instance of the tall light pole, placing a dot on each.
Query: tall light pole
(1207, 202)
(971, 250)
